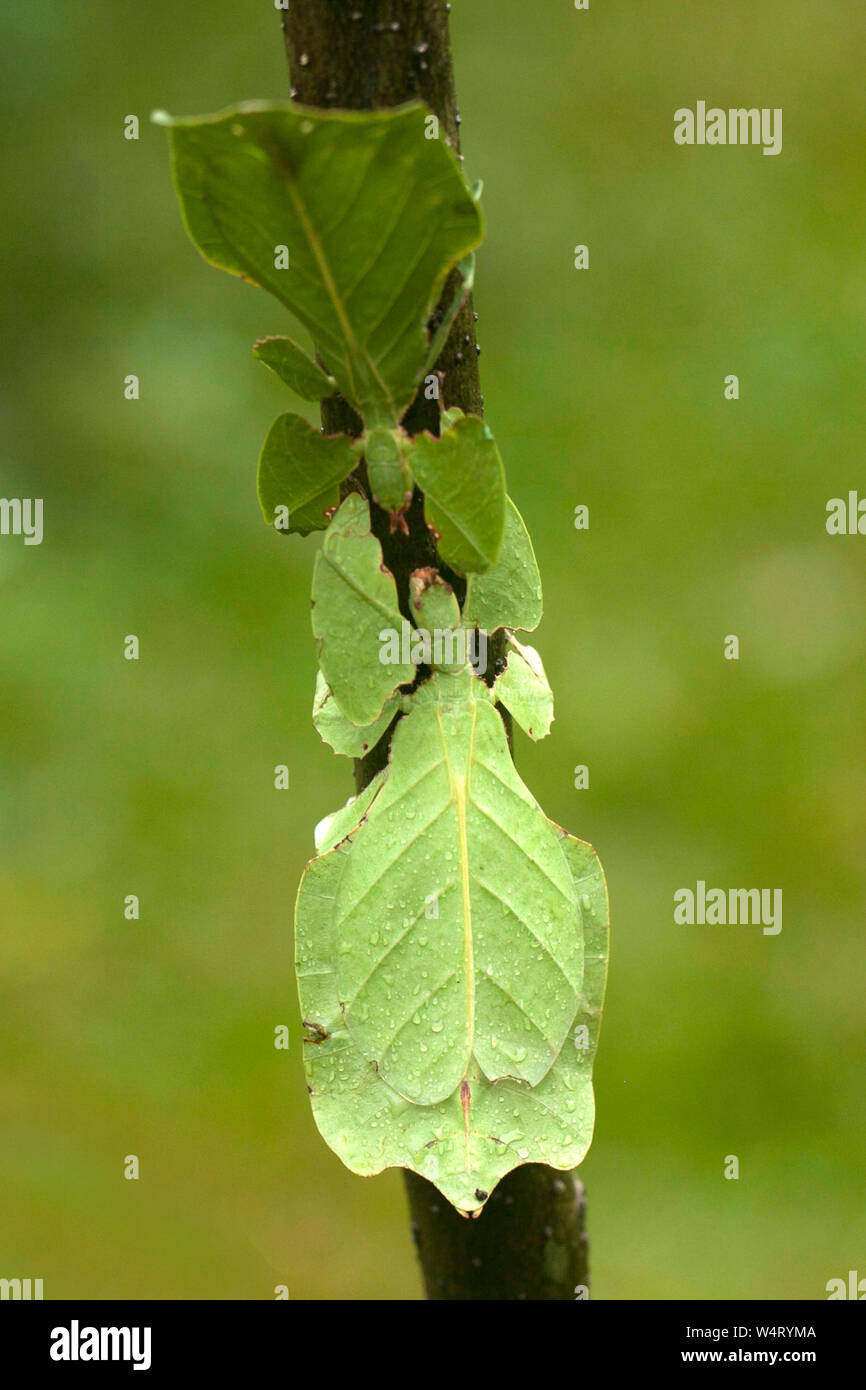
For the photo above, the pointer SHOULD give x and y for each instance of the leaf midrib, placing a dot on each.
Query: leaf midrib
(459, 792)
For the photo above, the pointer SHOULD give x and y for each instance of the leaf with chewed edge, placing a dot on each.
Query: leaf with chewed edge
(300, 470)
(335, 729)
(524, 690)
(354, 601)
(509, 593)
(463, 481)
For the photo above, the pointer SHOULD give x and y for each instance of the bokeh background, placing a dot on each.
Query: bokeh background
(707, 517)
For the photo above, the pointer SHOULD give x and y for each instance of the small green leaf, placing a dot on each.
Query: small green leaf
(372, 216)
(334, 728)
(466, 267)
(509, 593)
(301, 469)
(354, 601)
(524, 690)
(434, 604)
(295, 368)
(387, 474)
(463, 482)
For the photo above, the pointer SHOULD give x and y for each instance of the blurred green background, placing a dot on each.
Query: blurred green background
(604, 387)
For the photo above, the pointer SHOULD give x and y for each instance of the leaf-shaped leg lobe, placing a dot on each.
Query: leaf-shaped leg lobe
(354, 601)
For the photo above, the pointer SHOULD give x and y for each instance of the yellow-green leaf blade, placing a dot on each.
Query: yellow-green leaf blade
(524, 690)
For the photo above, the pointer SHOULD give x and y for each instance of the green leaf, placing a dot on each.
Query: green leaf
(334, 728)
(509, 593)
(440, 337)
(464, 1145)
(463, 482)
(387, 474)
(373, 216)
(334, 828)
(434, 603)
(497, 977)
(354, 601)
(524, 690)
(295, 368)
(301, 469)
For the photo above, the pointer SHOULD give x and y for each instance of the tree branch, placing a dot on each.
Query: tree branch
(529, 1240)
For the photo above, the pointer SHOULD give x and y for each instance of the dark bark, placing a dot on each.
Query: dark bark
(529, 1241)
